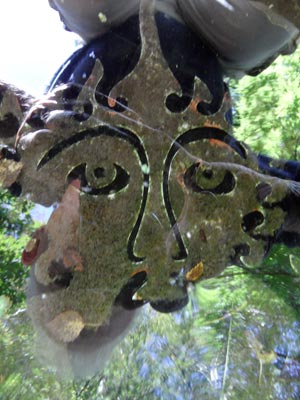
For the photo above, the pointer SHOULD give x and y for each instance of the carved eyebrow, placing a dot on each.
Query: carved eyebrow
(190, 136)
(129, 137)
(121, 133)
(197, 134)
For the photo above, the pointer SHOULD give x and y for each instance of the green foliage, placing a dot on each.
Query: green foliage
(267, 109)
(21, 376)
(15, 218)
(15, 226)
(238, 338)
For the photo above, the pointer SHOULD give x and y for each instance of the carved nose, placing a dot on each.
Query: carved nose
(158, 239)
(156, 235)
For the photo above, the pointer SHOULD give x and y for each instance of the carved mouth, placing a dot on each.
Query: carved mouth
(127, 296)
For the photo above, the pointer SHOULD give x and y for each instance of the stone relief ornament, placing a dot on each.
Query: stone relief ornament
(151, 191)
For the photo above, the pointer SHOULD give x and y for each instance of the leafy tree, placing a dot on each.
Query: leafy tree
(15, 226)
(267, 109)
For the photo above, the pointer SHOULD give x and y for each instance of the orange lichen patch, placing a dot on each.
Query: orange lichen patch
(66, 326)
(78, 267)
(180, 179)
(195, 273)
(111, 102)
(219, 143)
(138, 270)
(193, 105)
(209, 124)
(72, 258)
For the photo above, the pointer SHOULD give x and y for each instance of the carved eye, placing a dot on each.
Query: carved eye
(201, 178)
(100, 180)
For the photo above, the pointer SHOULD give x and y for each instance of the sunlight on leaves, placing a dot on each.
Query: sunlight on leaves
(5, 304)
(295, 264)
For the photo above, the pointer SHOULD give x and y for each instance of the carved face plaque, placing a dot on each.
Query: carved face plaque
(153, 192)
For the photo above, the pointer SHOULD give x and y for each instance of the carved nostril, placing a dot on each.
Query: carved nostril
(252, 220)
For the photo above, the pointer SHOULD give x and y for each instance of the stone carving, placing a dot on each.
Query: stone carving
(153, 192)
